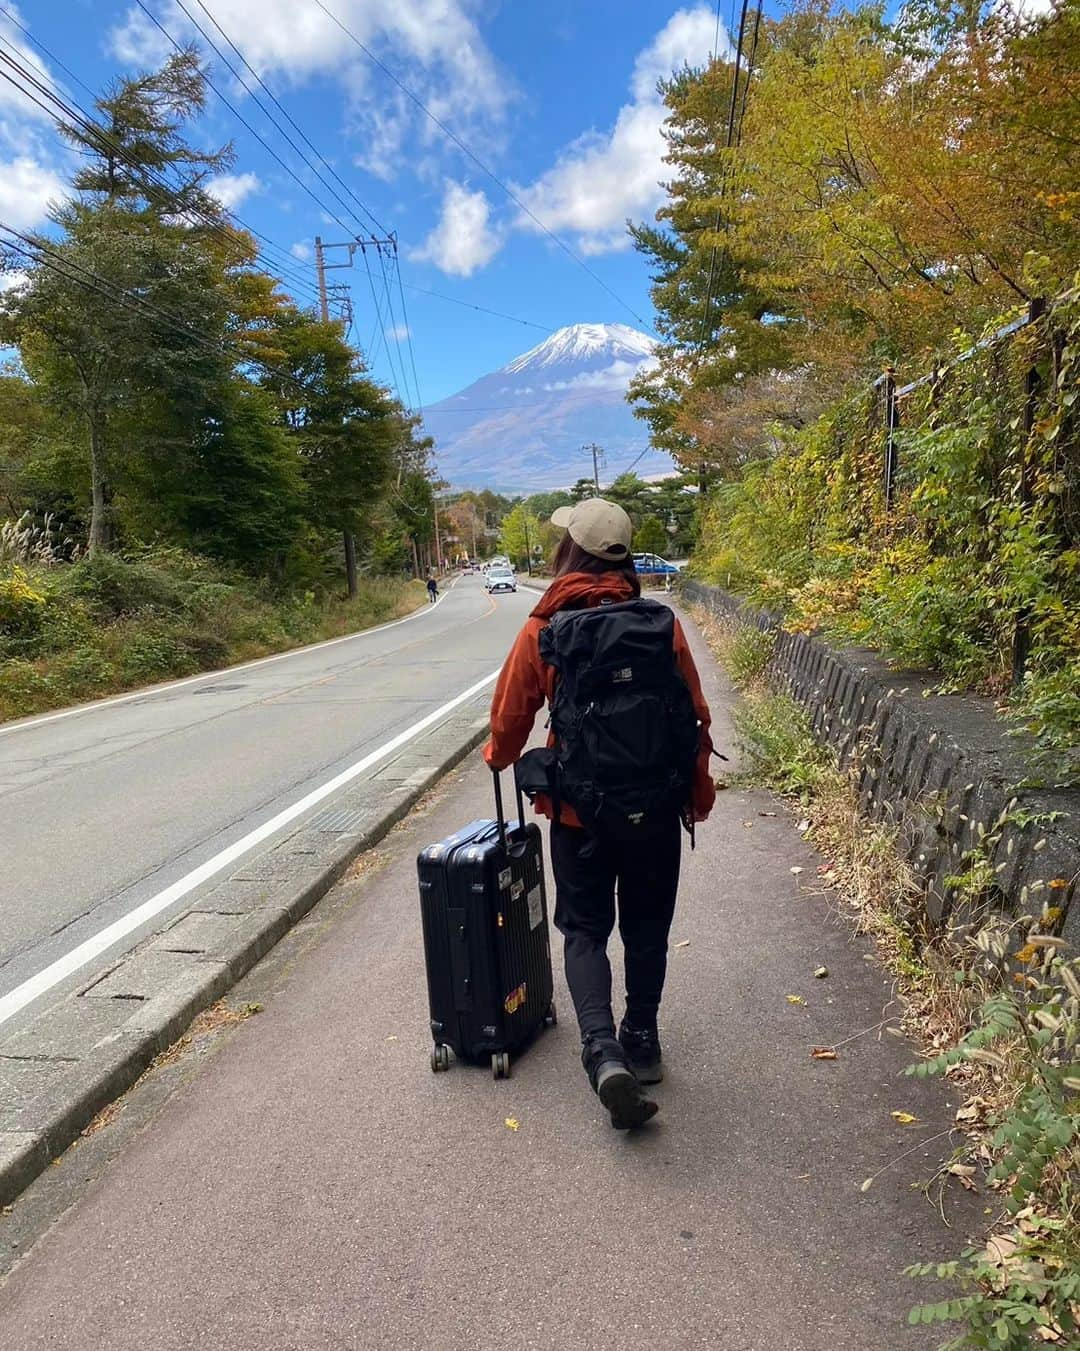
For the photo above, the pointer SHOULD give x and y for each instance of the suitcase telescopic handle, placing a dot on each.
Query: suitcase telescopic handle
(500, 815)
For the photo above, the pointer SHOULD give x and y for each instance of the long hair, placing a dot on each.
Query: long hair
(571, 557)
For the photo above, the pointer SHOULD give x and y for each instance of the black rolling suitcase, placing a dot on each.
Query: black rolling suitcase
(484, 907)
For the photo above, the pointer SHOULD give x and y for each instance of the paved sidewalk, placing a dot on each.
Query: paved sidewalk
(315, 1186)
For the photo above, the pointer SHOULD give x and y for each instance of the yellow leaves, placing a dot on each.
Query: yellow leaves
(512, 1123)
(795, 999)
(904, 1118)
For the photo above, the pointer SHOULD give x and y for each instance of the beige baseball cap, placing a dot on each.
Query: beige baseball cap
(600, 527)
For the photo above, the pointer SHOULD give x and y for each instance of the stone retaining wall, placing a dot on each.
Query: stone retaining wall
(940, 768)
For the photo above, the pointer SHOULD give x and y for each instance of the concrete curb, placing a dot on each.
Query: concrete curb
(82, 1053)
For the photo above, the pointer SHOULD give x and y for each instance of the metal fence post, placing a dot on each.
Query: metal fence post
(889, 383)
(1021, 648)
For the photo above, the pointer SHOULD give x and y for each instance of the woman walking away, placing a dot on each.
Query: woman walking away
(627, 765)
(432, 589)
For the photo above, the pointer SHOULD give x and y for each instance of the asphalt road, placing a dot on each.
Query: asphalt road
(104, 807)
(312, 1186)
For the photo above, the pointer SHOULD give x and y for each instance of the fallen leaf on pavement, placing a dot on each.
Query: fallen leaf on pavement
(512, 1123)
(795, 999)
(821, 972)
(683, 943)
(965, 1172)
(766, 813)
(796, 870)
(748, 825)
(803, 827)
(822, 1053)
(904, 1118)
(391, 1038)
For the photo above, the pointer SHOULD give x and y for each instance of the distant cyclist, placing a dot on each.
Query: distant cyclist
(432, 588)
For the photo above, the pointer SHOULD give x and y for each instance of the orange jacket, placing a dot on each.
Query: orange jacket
(525, 683)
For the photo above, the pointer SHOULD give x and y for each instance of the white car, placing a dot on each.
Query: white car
(499, 579)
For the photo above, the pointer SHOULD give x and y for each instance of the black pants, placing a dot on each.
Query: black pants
(644, 868)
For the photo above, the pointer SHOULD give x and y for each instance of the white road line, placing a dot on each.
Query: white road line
(85, 952)
(148, 692)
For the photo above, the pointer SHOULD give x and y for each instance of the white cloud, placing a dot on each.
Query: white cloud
(398, 333)
(603, 177)
(616, 376)
(302, 250)
(434, 44)
(26, 188)
(464, 239)
(10, 97)
(232, 190)
(137, 42)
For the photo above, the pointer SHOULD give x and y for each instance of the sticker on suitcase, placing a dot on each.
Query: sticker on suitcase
(515, 999)
(536, 907)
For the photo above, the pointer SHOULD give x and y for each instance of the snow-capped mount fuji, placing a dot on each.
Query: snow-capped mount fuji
(583, 342)
(522, 427)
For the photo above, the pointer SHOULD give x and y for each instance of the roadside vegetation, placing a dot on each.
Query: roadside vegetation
(997, 1012)
(869, 201)
(76, 631)
(194, 468)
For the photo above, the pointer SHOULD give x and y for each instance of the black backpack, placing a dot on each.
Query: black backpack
(626, 732)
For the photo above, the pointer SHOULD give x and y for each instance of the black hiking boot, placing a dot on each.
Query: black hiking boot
(642, 1047)
(615, 1083)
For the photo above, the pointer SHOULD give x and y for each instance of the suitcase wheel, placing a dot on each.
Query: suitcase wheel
(440, 1059)
(551, 1018)
(500, 1065)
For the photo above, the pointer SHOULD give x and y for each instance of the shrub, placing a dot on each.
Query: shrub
(21, 605)
(777, 746)
(114, 587)
(23, 689)
(153, 653)
(748, 654)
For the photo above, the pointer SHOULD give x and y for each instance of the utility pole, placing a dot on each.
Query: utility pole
(597, 461)
(320, 272)
(321, 267)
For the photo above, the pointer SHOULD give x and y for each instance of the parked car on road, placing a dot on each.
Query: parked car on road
(500, 579)
(654, 565)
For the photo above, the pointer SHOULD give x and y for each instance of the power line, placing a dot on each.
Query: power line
(730, 134)
(408, 334)
(70, 268)
(292, 121)
(77, 117)
(335, 195)
(453, 300)
(479, 163)
(241, 118)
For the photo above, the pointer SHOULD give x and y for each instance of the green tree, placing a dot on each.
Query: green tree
(345, 426)
(650, 536)
(245, 496)
(519, 535)
(125, 311)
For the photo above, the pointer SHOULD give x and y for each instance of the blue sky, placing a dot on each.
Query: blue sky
(555, 96)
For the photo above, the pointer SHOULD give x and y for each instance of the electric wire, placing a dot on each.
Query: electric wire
(231, 68)
(35, 250)
(78, 118)
(331, 214)
(466, 304)
(293, 123)
(465, 149)
(246, 124)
